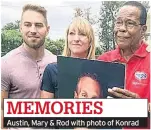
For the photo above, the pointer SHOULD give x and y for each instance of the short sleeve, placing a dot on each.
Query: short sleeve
(49, 80)
(5, 76)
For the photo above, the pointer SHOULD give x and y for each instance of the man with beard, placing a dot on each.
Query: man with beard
(23, 67)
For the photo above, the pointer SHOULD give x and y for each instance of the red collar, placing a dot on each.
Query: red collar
(141, 52)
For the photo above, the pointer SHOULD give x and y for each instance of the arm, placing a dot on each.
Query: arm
(149, 107)
(4, 94)
(49, 81)
(5, 86)
(45, 94)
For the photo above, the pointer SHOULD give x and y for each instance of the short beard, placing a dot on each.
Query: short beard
(33, 46)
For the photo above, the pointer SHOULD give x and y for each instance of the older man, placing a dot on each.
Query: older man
(130, 28)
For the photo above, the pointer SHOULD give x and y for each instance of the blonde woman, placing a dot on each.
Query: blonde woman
(80, 43)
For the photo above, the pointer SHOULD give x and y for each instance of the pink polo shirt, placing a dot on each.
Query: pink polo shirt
(21, 75)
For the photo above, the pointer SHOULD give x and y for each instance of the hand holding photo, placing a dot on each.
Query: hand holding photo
(122, 93)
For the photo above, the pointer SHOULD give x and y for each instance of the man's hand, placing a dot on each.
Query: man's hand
(122, 93)
(149, 107)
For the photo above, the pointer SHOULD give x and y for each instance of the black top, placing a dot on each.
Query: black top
(49, 80)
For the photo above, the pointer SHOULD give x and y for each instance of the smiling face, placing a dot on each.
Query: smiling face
(33, 28)
(78, 41)
(88, 88)
(128, 31)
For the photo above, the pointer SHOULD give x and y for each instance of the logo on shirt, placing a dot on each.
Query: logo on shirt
(140, 75)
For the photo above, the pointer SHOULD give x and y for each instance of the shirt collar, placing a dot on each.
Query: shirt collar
(140, 52)
(26, 54)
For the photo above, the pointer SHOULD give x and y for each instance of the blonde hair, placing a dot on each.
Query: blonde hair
(83, 26)
(36, 8)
